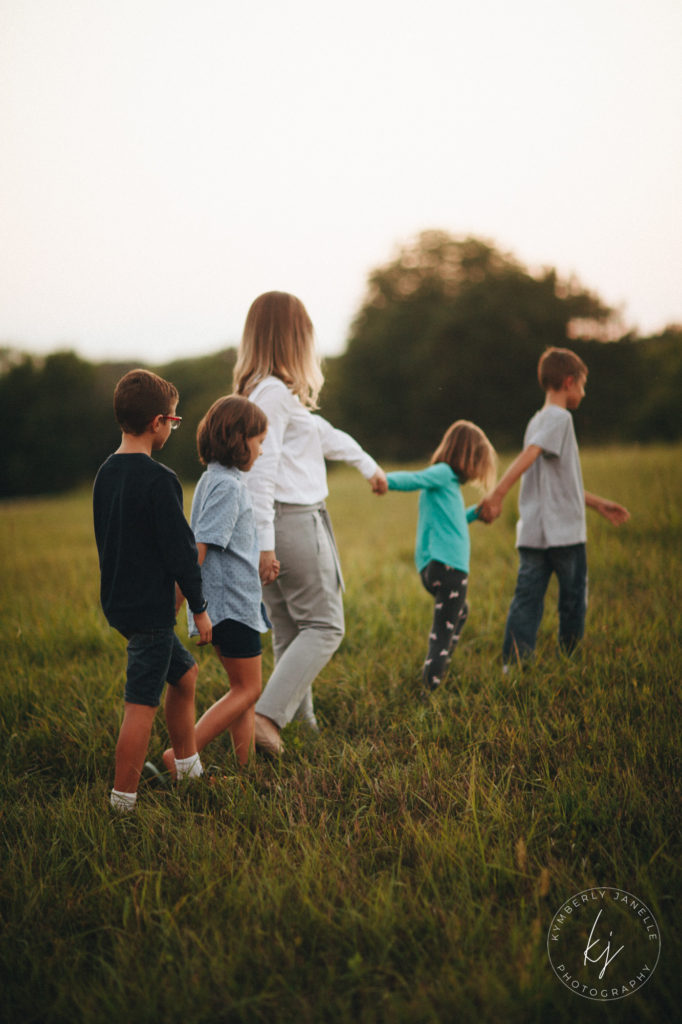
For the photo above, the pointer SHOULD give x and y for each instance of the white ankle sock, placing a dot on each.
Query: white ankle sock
(122, 801)
(189, 767)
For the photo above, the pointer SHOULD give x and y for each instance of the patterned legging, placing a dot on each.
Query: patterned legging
(449, 587)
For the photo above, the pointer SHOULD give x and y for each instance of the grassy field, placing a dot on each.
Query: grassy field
(404, 867)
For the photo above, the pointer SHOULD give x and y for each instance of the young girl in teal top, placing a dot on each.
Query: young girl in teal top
(465, 455)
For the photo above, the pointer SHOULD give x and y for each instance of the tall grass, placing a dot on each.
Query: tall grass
(405, 866)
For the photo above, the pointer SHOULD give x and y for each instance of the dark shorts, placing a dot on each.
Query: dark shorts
(233, 639)
(154, 659)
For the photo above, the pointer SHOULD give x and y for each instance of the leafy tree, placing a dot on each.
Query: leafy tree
(657, 411)
(58, 413)
(51, 410)
(200, 382)
(451, 328)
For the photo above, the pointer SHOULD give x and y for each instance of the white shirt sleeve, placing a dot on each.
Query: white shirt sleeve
(292, 467)
(341, 447)
(275, 401)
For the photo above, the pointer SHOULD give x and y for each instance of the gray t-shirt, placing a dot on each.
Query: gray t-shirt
(222, 517)
(552, 496)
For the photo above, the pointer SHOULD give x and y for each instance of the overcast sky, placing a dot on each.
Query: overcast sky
(164, 162)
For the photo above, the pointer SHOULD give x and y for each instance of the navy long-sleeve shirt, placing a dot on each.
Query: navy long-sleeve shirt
(144, 543)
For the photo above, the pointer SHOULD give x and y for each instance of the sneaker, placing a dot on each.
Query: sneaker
(151, 774)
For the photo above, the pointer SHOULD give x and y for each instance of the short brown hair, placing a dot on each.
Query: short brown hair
(556, 364)
(224, 430)
(139, 396)
(469, 454)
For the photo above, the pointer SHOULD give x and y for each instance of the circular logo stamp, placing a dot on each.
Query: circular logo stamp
(603, 944)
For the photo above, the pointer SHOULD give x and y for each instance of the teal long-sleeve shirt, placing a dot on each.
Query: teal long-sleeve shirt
(443, 522)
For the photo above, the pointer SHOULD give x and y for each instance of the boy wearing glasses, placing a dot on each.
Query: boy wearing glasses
(147, 556)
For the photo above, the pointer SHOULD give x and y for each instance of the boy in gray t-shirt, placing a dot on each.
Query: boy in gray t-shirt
(551, 531)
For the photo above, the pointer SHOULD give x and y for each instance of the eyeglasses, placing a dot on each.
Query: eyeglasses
(175, 421)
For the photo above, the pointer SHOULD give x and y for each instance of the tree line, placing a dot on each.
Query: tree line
(449, 329)
(58, 414)
(453, 329)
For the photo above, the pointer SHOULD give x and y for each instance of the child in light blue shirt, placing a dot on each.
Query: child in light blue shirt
(223, 521)
(229, 440)
(465, 455)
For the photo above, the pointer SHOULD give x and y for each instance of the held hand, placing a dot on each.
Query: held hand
(378, 482)
(205, 627)
(268, 567)
(490, 508)
(615, 513)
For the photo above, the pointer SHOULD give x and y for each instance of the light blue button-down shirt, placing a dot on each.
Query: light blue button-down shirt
(223, 519)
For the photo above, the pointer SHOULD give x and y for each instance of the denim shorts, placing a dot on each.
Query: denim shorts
(154, 658)
(235, 640)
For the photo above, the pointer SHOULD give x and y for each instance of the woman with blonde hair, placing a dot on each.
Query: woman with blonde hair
(279, 370)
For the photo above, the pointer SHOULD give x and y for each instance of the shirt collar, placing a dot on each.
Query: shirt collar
(216, 469)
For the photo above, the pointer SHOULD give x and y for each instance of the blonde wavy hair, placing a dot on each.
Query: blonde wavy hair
(469, 454)
(279, 341)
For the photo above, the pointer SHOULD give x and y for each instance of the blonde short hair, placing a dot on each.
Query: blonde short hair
(279, 340)
(469, 454)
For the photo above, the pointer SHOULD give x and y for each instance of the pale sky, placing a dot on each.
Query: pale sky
(164, 162)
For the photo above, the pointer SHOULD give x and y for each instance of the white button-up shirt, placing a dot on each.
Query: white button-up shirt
(292, 467)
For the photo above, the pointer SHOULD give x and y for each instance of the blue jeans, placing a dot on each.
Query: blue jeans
(536, 565)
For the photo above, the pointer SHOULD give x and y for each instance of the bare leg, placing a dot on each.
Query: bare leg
(231, 711)
(179, 708)
(133, 741)
(243, 732)
(245, 677)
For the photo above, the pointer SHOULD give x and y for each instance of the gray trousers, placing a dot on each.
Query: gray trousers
(305, 606)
